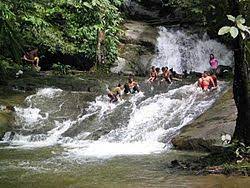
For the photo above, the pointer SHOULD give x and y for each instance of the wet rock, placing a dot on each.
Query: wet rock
(204, 134)
(142, 11)
(122, 67)
(224, 71)
(5, 123)
(138, 42)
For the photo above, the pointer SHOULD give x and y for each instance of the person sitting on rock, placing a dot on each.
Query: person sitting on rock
(132, 87)
(166, 74)
(157, 69)
(153, 75)
(115, 93)
(214, 78)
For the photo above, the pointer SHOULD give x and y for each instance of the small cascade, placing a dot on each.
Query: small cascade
(144, 123)
(182, 51)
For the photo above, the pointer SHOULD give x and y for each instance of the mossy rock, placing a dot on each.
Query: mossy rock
(5, 123)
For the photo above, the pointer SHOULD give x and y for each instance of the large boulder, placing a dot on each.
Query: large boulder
(204, 134)
(137, 48)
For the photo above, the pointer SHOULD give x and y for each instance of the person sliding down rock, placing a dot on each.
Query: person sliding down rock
(206, 82)
(115, 93)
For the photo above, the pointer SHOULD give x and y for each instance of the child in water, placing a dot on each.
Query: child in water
(131, 87)
(206, 82)
(115, 93)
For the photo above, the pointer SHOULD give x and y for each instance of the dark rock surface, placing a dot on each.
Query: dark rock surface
(204, 134)
(137, 48)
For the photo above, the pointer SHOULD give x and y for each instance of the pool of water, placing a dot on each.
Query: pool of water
(47, 168)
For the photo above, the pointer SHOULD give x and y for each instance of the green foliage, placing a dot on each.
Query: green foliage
(8, 69)
(66, 26)
(238, 27)
(241, 151)
(61, 69)
(4, 65)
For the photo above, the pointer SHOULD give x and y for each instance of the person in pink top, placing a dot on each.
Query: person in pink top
(213, 63)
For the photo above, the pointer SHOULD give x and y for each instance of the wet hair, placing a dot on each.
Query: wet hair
(11, 108)
(206, 72)
(157, 69)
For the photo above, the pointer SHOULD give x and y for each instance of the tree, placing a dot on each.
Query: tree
(241, 88)
(60, 26)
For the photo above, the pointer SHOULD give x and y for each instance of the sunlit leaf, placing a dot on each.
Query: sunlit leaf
(241, 27)
(224, 30)
(240, 19)
(234, 32)
(231, 18)
(86, 4)
(243, 35)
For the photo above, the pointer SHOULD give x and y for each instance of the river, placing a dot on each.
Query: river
(78, 139)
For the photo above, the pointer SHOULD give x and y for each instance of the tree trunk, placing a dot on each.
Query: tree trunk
(240, 86)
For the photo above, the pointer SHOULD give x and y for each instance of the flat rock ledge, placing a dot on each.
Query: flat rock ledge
(204, 134)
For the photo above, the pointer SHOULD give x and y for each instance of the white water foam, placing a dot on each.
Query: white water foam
(182, 51)
(151, 121)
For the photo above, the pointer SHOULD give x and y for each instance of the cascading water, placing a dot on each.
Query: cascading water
(182, 51)
(143, 123)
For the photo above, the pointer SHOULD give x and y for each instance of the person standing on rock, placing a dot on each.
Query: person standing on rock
(213, 63)
(32, 57)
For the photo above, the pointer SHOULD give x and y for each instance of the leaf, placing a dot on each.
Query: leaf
(223, 138)
(231, 18)
(212, 6)
(86, 4)
(248, 30)
(243, 35)
(234, 32)
(224, 30)
(240, 19)
(241, 27)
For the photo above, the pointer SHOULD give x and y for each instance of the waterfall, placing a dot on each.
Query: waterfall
(182, 51)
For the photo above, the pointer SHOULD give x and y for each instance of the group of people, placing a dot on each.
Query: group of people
(208, 80)
(166, 74)
(131, 87)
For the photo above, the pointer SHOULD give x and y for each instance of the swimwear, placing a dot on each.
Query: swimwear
(214, 63)
(204, 84)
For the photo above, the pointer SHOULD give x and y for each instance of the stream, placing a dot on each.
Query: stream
(78, 139)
